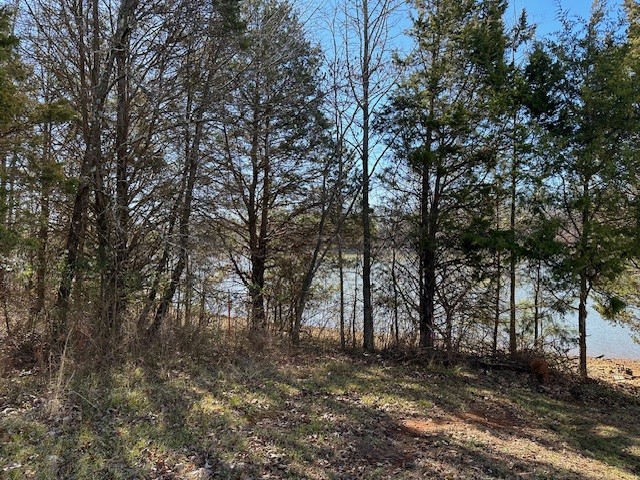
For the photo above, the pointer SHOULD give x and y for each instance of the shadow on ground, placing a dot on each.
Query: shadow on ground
(316, 416)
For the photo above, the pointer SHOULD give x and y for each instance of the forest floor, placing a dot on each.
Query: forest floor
(317, 414)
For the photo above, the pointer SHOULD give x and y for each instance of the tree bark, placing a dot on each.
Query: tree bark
(537, 330)
(513, 346)
(43, 223)
(355, 306)
(582, 324)
(498, 304)
(584, 281)
(343, 341)
(340, 233)
(4, 208)
(368, 332)
(394, 283)
(427, 255)
(116, 294)
(428, 300)
(256, 292)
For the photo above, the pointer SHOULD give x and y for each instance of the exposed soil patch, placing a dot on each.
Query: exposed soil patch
(476, 418)
(424, 427)
(613, 370)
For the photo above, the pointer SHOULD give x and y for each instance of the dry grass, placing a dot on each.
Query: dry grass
(313, 414)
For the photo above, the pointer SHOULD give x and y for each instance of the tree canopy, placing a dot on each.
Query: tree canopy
(169, 170)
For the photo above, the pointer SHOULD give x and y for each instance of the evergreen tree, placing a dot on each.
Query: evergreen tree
(13, 126)
(271, 144)
(590, 136)
(440, 126)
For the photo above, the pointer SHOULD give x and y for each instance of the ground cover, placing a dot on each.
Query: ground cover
(315, 414)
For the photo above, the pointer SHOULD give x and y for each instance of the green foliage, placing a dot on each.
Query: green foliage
(543, 76)
(598, 101)
(482, 237)
(618, 300)
(584, 96)
(612, 308)
(59, 111)
(230, 12)
(12, 101)
(11, 72)
(485, 43)
(436, 119)
(12, 107)
(541, 242)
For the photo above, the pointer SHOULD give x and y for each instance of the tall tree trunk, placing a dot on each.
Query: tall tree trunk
(43, 220)
(584, 281)
(513, 346)
(318, 254)
(340, 233)
(101, 198)
(394, 283)
(161, 266)
(355, 306)
(256, 292)
(41, 256)
(188, 296)
(259, 253)
(77, 223)
(498, 303)
(4, 207)
(582, 323)
(368, 333)
(537, 330)
(343, 341)
(257, 218)
(4, 176)
(3, 300)
(297, 320)
(116, 294)
(203, 304)
(428, 305)
(74, 238)
(428, 227)
(91, 175)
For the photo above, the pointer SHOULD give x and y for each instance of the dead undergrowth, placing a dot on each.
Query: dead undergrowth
(312, 414)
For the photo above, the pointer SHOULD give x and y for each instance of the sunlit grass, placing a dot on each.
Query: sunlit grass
(307, 420)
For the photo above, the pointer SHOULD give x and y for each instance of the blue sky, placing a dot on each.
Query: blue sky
(544, 12)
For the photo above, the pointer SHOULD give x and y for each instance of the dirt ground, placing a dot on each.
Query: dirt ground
(620, 373)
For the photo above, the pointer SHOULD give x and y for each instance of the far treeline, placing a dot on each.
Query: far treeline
(480, 181)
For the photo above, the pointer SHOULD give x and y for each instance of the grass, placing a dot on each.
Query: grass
(313, 415)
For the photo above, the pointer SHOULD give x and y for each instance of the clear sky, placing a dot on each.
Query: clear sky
(544, 12)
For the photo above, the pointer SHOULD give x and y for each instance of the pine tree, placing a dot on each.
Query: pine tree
(595, 125)
(271, 145)
(441, 128)
(13, 127)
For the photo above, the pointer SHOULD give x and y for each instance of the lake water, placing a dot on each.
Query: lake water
(610, 340)
(603, 337)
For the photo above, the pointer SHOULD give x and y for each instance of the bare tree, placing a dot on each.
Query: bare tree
(366, 31)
